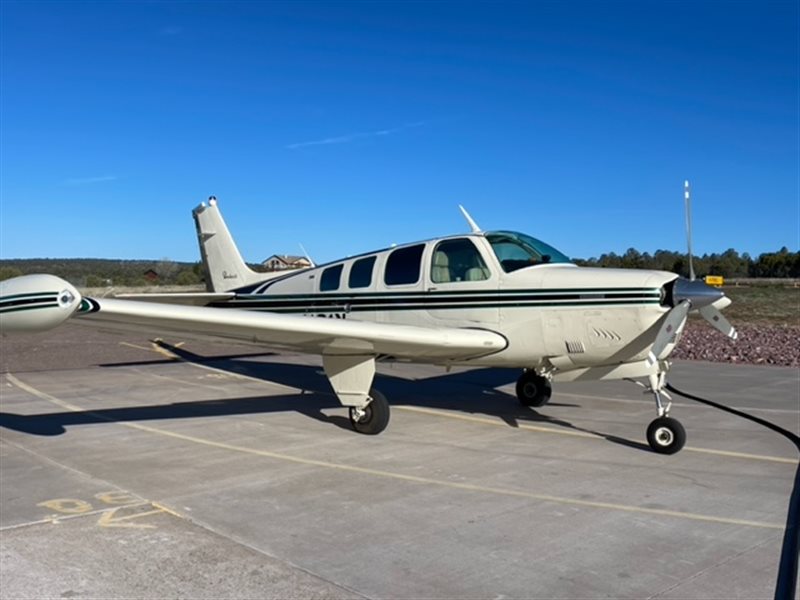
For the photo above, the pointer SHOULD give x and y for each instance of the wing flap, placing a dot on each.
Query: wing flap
(308, 334)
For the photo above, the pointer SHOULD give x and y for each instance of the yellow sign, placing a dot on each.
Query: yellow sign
(715, 280)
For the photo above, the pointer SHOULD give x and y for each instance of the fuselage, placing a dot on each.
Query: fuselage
(552, 312)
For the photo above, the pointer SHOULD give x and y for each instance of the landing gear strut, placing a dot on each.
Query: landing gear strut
(372, 418)
(533, 390)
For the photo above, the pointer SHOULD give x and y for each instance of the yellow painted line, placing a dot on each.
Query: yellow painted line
(648, 403)
(745, 455)
(498, 423)
(487, 421)
(167, 510)
(400, 476)
(163, 351)
(129, 345)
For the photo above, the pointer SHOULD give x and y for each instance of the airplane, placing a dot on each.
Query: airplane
(483, 298)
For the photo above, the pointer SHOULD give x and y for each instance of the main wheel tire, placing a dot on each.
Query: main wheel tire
(533, 390)
(375, 417)
(666, 435)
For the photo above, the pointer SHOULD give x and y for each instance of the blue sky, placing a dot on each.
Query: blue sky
(351, 126)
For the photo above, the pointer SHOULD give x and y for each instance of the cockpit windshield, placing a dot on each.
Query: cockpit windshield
(517, 250)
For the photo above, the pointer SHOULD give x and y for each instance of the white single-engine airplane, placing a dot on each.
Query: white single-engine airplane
(496, 299)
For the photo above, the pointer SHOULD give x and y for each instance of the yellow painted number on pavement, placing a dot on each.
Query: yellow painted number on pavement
(117, 497)
(67, 506)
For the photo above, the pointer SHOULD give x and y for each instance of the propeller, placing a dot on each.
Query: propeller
(673, 325)
(718, 322)
(688, 211)
(685, 295)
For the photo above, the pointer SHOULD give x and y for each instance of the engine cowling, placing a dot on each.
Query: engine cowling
(33, 303)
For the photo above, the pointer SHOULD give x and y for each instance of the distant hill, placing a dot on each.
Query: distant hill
(100, 272)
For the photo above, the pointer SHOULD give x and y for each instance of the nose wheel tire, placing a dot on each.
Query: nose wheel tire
(666, 435)
(374, 417)
(533, 390)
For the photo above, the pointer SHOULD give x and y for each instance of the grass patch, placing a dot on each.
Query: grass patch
(773, 304)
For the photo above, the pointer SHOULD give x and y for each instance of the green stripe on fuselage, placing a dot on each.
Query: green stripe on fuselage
(28, 307)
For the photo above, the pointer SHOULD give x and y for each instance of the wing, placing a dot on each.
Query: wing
(306, 334)
(185, 298)
(349, 349)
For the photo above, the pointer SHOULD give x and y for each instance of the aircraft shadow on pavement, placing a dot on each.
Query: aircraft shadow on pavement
(465, 391)
(56, 423)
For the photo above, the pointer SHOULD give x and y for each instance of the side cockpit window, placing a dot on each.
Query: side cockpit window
(403, 265)
(361, 273)
(516, 251)
(330, 279)
(457, 260)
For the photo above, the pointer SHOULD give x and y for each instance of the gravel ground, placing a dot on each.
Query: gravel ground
(765, 344)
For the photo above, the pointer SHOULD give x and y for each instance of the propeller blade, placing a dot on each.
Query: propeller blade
(673, 324)
(718, 322)
(688, 208)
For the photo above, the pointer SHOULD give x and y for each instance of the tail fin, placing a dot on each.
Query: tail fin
(224, 267)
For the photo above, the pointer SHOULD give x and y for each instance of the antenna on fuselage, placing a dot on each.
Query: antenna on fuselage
(472, 224)
(688, 206)
(308, 258)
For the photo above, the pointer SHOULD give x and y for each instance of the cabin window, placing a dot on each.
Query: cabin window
(330, 278)
(457, 260)
(403, 265)
(361, 272)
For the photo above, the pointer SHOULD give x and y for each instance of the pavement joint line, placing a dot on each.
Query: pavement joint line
(235, 374)
(78, 472)
(400, 476)
(664, 592)
(583, 434)
(205, 386)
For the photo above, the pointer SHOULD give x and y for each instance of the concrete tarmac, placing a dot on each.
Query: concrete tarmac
(129, 469)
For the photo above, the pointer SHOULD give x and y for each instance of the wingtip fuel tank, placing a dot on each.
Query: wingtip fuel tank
(34, 303)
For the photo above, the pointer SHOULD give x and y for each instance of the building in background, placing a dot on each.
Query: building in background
(283, 262)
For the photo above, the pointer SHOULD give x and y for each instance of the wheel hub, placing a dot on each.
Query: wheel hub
(359, 414)
(664, 436)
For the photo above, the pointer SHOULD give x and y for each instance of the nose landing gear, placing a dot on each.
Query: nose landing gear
(665, 434)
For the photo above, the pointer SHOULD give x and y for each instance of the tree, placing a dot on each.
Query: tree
(187, 277)
(9, 272)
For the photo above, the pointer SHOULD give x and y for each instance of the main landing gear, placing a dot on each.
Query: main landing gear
(351, 375)
(372, 418)
(533, 390)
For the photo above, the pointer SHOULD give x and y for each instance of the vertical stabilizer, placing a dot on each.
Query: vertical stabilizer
(224, 267)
